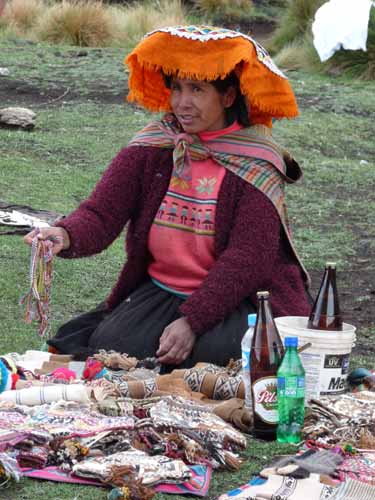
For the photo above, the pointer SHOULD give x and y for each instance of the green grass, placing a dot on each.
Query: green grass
(64, 67)
(56, 166)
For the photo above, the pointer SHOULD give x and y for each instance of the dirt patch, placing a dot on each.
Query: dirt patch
(22, 93)
(326, 105)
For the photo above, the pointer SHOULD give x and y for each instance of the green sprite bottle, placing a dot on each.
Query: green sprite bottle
(290, 394)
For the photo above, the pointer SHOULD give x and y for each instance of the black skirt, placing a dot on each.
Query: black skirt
(136, 325)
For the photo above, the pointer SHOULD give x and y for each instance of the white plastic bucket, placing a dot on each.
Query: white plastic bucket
(326, 362)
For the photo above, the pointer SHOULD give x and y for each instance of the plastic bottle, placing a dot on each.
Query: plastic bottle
(290, 394)
(246, 348)
(265, 357)
(325, 314)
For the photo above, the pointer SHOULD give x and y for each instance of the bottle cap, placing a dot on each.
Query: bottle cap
(331, 264)
(251, 319)
(291, 341)
(263, 295)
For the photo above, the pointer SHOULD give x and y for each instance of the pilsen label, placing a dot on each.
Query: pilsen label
(265, 399)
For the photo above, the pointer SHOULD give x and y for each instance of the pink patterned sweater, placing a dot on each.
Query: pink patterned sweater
(251, 251)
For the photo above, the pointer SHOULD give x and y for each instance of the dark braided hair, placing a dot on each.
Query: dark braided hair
(238, 111)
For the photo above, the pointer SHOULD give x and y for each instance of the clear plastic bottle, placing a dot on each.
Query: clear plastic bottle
(290, 394)
(246, 348)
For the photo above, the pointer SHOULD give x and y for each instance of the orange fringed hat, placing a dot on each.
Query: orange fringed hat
(208, 53)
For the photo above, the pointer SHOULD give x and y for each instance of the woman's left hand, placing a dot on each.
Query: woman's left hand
(176, 342)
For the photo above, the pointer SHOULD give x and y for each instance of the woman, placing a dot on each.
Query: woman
(202, 189)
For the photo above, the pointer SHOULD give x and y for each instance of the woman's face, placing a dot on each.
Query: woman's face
(198, 106)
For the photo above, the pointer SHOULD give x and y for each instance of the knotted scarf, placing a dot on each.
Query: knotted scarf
(249, 153)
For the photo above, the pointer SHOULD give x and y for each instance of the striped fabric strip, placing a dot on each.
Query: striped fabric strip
(254, 157)
(354, 490)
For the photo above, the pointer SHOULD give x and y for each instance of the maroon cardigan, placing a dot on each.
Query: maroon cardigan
(252, 252)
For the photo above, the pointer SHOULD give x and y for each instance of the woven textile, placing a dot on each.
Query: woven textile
(35, 396)
(340, 418)
(360, 467)
(61, 419)
(283, 488)
(151, 470)
(353, 490)
(206, 429)
(9, 470)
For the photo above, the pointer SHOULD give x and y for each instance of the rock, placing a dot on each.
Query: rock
(17, 117)
(4, 72)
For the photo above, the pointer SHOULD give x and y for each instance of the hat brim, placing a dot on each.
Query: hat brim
(268, 93)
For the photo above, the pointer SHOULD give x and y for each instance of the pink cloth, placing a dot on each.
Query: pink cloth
(181, 239)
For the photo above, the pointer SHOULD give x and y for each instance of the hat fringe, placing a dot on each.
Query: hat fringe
(268, 93)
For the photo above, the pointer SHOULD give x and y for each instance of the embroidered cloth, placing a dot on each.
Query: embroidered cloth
(341, 418)
(283, 488)
(61, 419)
(151, 470)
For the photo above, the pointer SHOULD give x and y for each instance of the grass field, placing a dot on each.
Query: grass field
(82, 122)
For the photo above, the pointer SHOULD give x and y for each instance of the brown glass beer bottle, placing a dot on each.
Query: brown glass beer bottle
(325, 314)
(266, 354)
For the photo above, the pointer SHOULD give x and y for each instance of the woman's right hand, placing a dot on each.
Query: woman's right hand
(58, 235)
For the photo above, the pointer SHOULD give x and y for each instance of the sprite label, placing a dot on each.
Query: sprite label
(291, 387)
(265, 399)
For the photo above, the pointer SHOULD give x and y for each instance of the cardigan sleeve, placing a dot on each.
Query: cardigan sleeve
(98, 220)
(243, 268)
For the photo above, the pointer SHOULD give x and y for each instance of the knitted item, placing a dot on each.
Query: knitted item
(208, 53)
(243, 214)
(35, 396)
(149, 470)
(341, 418)
(139, 389)
(5, 378)
(116, 360)
(247, 153)
(93, 369)
(63, 373)
(214, 385)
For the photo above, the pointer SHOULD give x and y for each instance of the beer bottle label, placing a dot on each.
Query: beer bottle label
(265, 399)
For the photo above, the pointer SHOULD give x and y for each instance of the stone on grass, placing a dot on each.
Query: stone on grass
(4, 72)
(18, 118)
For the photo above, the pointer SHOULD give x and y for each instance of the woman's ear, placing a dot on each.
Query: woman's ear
(230, 96)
